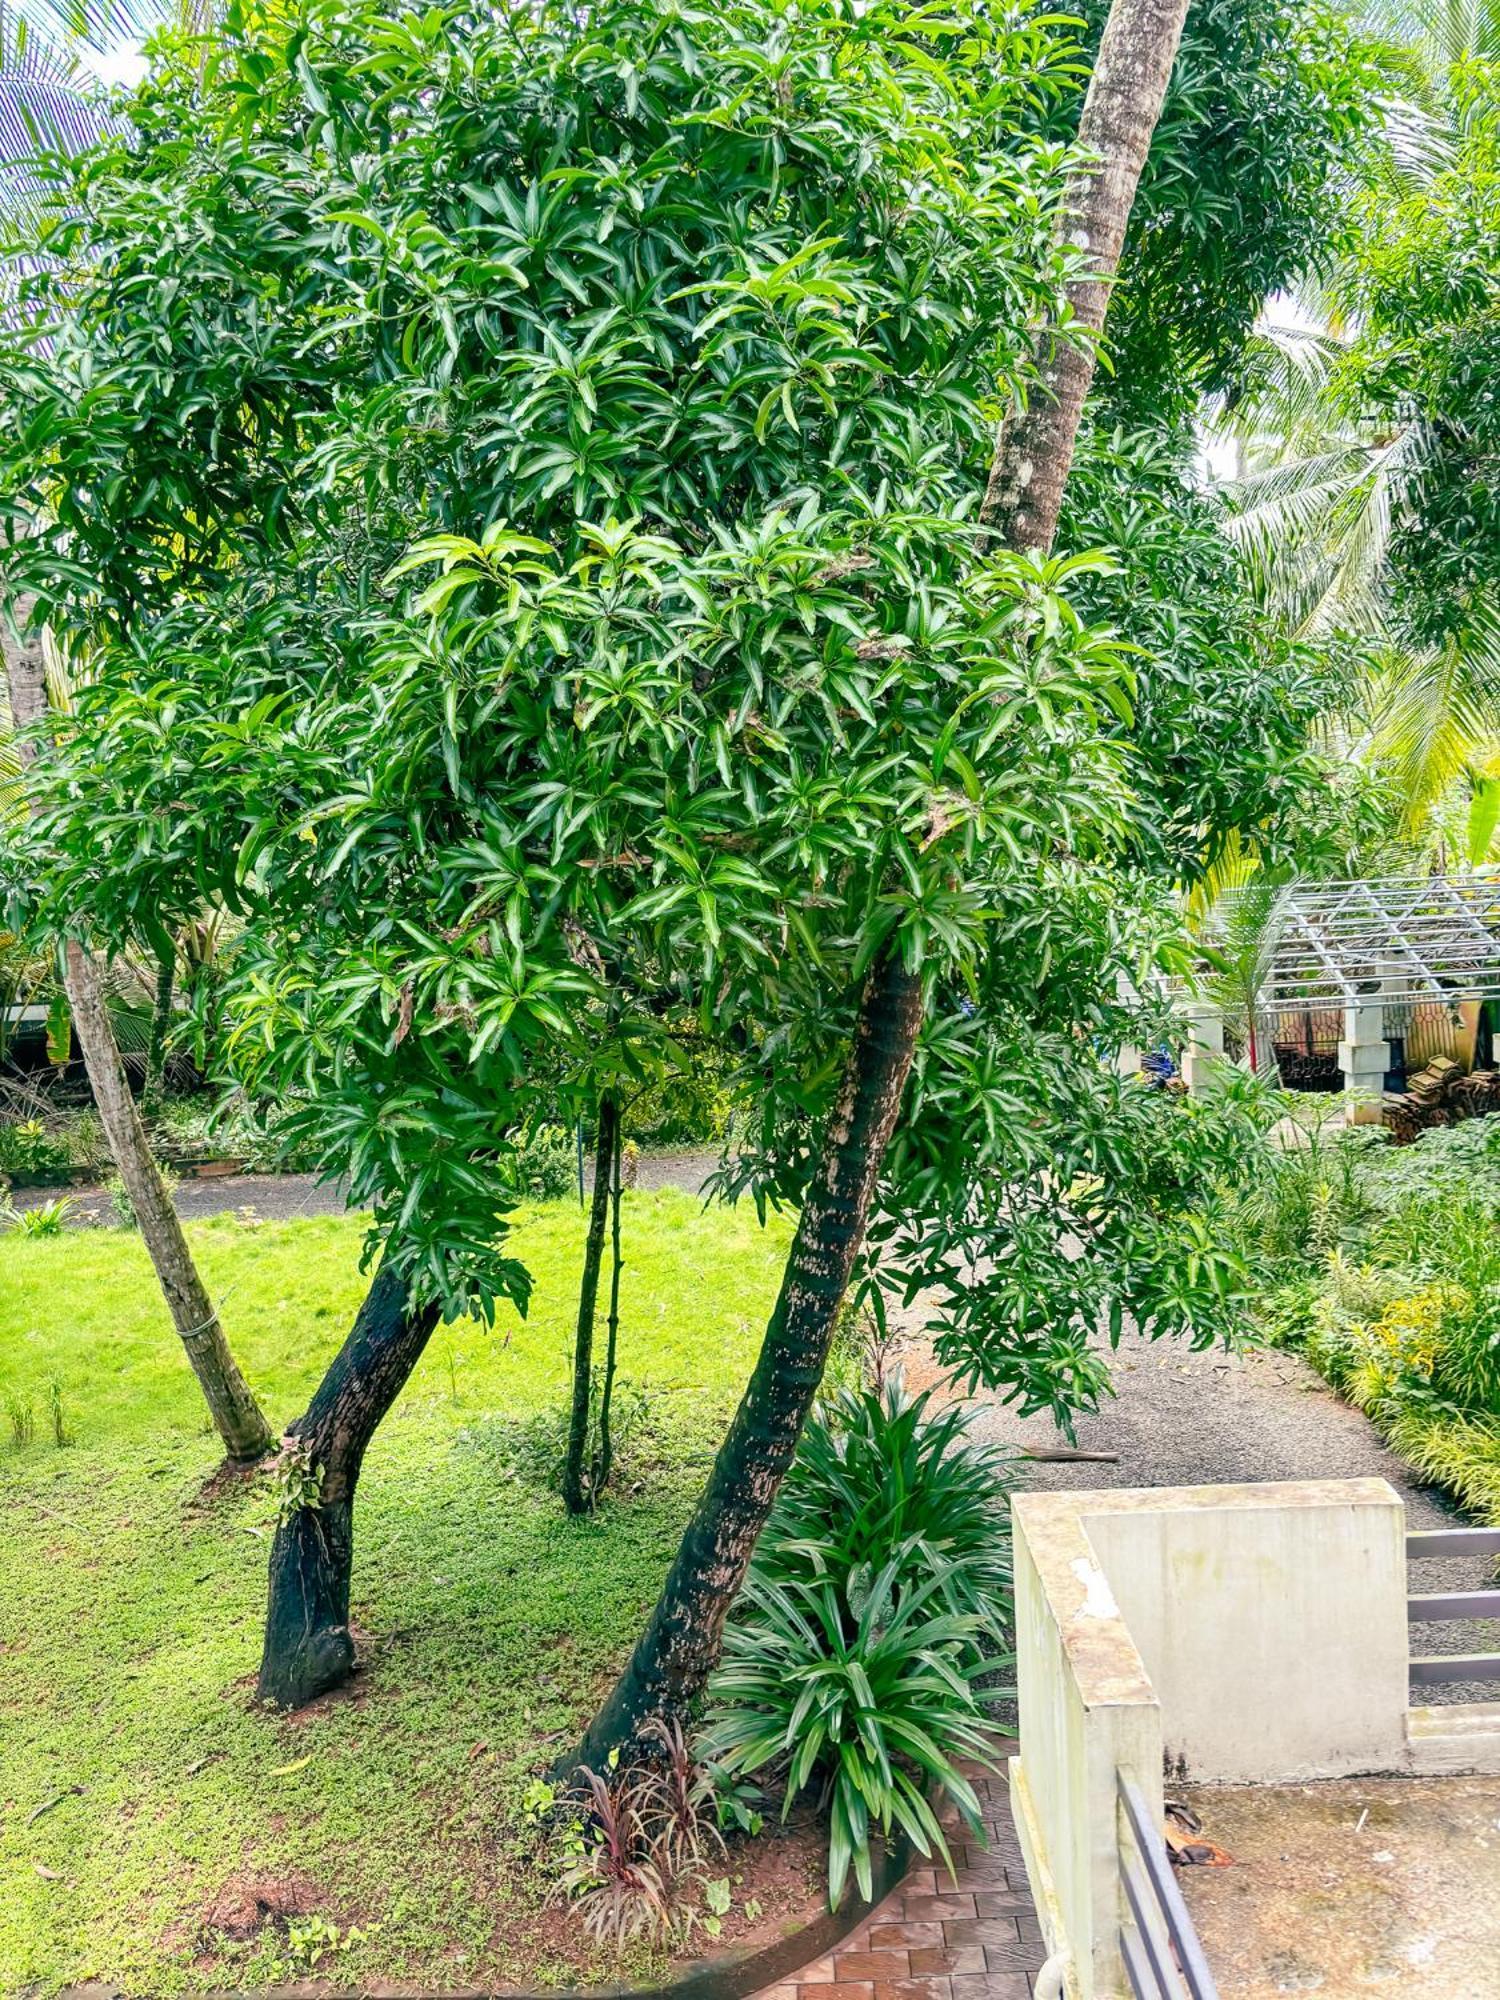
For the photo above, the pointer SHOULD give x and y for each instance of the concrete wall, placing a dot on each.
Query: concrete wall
(1239, 1633)
(1087, 1712)
(1272, 1623)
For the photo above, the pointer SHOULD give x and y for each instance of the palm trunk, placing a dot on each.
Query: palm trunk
(577, 1492)
(236, 1414)
(680, 1646)
(156, 1047)
(1033, 456)
(308, 1648)
(605, 1458)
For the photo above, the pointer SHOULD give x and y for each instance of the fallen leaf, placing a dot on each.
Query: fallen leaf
(47, 1874)
(286, 1770)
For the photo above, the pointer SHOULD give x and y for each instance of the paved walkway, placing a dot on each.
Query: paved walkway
(283, 1197)
(937, 1939)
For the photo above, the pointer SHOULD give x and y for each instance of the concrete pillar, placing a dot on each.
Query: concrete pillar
(1364, 1057)
(1203, 1045)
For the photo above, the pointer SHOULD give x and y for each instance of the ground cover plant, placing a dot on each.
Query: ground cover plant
(130, 1610)
(1400, 1308)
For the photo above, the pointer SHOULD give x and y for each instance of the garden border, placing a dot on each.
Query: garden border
(726, 1978)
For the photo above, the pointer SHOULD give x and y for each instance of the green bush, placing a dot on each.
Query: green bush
(691, 1106)
(872, 1694)
(29, 1150)
(879, 1595)
(123, 1206)
(881, 1478)
(545, 1166)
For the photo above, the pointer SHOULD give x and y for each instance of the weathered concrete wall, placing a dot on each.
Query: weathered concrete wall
(1241, 1633)
(1272, 1623)
(1087, 1713)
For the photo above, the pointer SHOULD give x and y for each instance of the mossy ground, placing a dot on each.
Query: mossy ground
(130, 1605)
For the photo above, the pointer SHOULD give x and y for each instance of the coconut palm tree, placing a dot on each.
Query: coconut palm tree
(1339, 460)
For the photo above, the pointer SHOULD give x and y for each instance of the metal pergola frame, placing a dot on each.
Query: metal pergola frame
(1390, 939)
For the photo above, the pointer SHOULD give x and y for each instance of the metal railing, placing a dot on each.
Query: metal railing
(1438, 1606)
(1163, 1956)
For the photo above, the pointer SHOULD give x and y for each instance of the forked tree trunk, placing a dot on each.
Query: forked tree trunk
(1023, 498)
(308, 1648)
(604, 1460)
(577, 1488)
(680, 1646)
(236, 1414)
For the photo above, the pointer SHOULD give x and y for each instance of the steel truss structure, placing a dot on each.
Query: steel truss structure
(1367, 943)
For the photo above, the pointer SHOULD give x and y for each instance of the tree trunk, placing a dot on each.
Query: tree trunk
(1034, 450)
(156, 1047)
(605, 1458)
(308, 1649)
(680, 1646)
(577, 1492)
(1033, 456)
(236, 1414)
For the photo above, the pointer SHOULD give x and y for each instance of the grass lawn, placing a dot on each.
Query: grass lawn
(130, 1609)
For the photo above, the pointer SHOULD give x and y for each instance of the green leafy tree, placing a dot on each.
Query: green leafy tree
(519, 487)
(1369, 505)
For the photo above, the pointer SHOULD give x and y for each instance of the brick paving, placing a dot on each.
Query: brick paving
(934, 1938)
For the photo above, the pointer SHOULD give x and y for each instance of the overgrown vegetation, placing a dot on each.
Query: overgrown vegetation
(878, 1597)
(1383, 1265)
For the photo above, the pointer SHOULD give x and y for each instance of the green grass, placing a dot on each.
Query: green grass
(130, 1608)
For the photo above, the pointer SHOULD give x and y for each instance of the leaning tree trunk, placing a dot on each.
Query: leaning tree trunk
(1033, 454)
(577, 1491)
(236, 1414)
(681, 1644)
(308, 1648)
(1035, 449)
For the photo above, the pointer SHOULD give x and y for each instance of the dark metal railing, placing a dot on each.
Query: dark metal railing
(1438, 1606)
(1163, 1956)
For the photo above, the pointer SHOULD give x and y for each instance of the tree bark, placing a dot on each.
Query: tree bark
(578, 1495)
(308, 1648)
(236, 1414)
(680, 1645)
(156, 1046)
(1033, 456)
(1034, 450)
(605, 1457)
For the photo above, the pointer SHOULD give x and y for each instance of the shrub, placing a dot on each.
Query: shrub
(872, 1695)
(534, 1449)
(545, 1167)
(880, 1478)
(636, 1863)
(28, 1149)
(123, 1206)
(47, 1218)
(879, 1594)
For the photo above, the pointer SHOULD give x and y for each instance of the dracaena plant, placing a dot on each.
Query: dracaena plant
(867, 1698)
